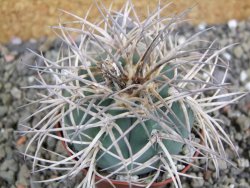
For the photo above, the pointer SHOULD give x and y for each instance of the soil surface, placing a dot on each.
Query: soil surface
(30, 19)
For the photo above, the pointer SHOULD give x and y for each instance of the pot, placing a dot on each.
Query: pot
(121, 184)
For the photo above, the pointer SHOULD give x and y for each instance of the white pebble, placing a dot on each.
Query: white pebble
(243, 163)
(232, 24)
(31, 79)
(227, 56)
(202, 26)
(16, 93)
(243, 76)
(247, 86)
(16, 40)
(231, 186)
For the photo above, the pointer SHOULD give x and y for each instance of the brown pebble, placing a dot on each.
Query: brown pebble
(21, 186)
(207, 174)
(9, 58)
(21, 140)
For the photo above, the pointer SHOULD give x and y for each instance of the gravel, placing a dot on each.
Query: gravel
(14, 58)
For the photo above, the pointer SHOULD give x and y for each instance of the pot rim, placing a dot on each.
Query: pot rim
(117, 182)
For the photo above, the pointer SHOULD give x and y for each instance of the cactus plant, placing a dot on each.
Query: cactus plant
(129, 98)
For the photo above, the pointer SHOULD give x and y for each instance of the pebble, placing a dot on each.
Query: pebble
(6, 99)
(16, 41)
(243, 76)
(3, 110)
(16, 93)
(232, 24)
(2, 152)
(247, 86)
(197, 183)
(23, 175)
(9, 165)
(238, 52)
(222, 165)
(243, 163)
(8, 176)
(227, 56)
(244, 122)
(9, 58)
(238, 136)
(202, 26)
(7, 86)
(22, 66)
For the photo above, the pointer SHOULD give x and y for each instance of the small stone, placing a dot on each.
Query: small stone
(6, 99)
(21, 186)
(247, 86)
(9, 152)
(9, 165)
(243, 163)
(232, 24)
(207, 174)
(21, 140)
(23, 175)
(202, 26)
(228, 56)
(238, 136)
(16, 41)
(8, 176)
(222, 165)
(2, 152)
(9, 58)
(26, 60)
(16, 93)
(7, 86)
(3, 110)
(31, 79)
(238, 52)
(243, 76)
(244, 122)
(197, 182)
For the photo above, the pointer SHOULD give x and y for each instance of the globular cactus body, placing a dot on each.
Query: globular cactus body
(137, 137)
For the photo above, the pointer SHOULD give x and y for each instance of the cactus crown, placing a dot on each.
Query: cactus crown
(129, 97)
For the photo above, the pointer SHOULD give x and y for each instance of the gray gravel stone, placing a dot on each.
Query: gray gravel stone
(244, 122)
(16, 93)
(2, 152)
(238, 51)
(238, 136)
(247, 86)
(23, 175)
(9, 165)
(3, 110)
(243, 163)
(6, 98)
(8, 176)
(197, 183)
(222, 165)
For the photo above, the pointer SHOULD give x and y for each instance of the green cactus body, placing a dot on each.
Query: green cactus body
(137, 138)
